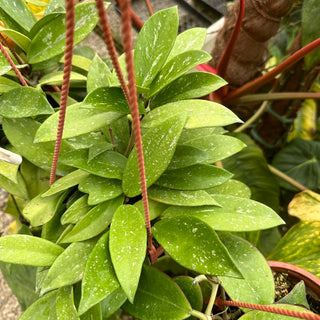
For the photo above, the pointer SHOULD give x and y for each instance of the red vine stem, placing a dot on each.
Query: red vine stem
(70, 24)
(290, 313)
(149, 6)
(257, 83)
(14, 68)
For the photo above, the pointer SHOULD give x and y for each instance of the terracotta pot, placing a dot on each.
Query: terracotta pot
(297, 274)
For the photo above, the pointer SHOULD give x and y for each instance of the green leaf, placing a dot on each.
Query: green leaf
(297, 295)
(201, 113)
(155, 208)
(80, 62)
(190, 134)
(195, 245)
(4, 65)
(50, 40)
(64, 304)
(99, 279)
(196, 177)
(100, 189)
(56, 78)
(181, 198)
(257, 285)
(55, 6)
(159, 144)
(42, 309)
(300, 246)
(18, 189)
(69, 267)
(158, 295)
(113, 302)
(128, 243)
(109, 164)
(7, 84)
(94, 222)
(232, 188)
(154, 43)
(310, 32)
(9, 170)
(93, 313)
(176, 67)
(28, 250)
(79, 120)
(233, 214)
(18, 38)
(188, 86)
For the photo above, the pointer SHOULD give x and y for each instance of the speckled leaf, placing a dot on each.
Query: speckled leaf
(177, 67)
(66, 182)
(18, 189)
(9, 170)
(80, 61)
(79, 120)
(233, 214)
(128, 242)
(7, 84)
(181, 198)
(297, 295)
(64, 304)
(109, 164)
(231, 188)
(300, 246)
(99, 279)
(194, 133)
(195, 245)
(56, 78)
(13, 103)
(257, 285)
(88, 140)
(42, 309)
(18, 38)
(196, 177)
(201, 113)
(4, 65)
(159, 144)
(69, 267)
(92, 313)
(155, 208)
(94, 222)
(50, 40)
(188, 86)
(100, 189)
(158, 295)
(28, 250)
(55, 6)
(154, 44)
(113, 302)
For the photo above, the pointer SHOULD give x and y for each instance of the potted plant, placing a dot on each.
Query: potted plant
(85, 242)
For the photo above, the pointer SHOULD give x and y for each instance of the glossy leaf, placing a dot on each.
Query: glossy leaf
(233, 214)
(297, 295)
(55, 6)
(188, 86)
(181, 198)
(56, 78)
(257, 285)
(196, 177)
(154, 44)
(232, 188)
(64, 304)
(201, 113)
(80, 62)
(4, 65)
(99, 279)
(69, 267)
(50, 40)
(158, 295)
(93, 223)
(109, 164)
(195, 245)
(7, 84)
(155, 208)
(190, 134)
(128, 242)
(18, 38)
(28, 250)
(113, 302)
(300, 246)
(18, 189)
(92, 313)
(159, 144)
(100, 189)
(9, 171)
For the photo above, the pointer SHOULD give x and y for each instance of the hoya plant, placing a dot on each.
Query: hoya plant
(82, 249)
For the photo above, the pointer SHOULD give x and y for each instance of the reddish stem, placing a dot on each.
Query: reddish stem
(4, 41)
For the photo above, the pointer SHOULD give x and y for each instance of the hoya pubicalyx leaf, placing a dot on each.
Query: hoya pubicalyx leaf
(188, 86)
(41, 209)
(109, 164)
(15, 103)
(28, 250)
(42, 309)
(65, 307)
(94, 222)
(194, 244)
(4, 65)
(99, 279)
(7, 84)
(128, 242)
(176, 67)
(158, 295)
(154, 43)
(201, 114)
(69, 267)
(196, 177)
(100, 189)
(93, 313)
(155, 208)
(113, 302)
(18, 189)
(50, 40)
(9, 170)
(18, 38)
(257, 284)
(79, 120)
(181, 197)
(233, 214)
(66, 182)
(231, 188)
(159, 144)
(56, 78)
(297, 295)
